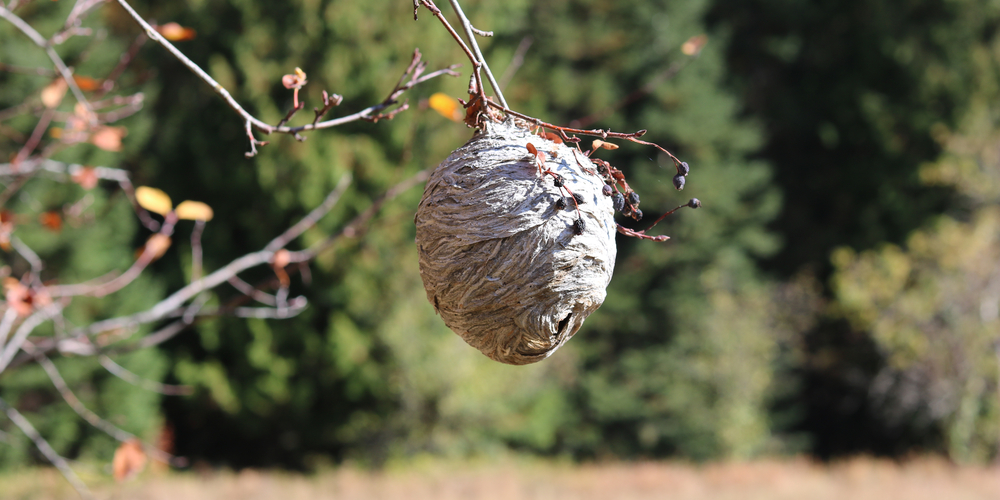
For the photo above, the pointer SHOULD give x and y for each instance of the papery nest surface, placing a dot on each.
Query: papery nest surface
(503, 258)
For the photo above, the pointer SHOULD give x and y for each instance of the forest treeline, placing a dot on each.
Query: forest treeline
(837, 293)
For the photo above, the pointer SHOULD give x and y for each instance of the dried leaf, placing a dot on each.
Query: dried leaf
(53, 93)
(532, 149)
(6, 228)
(694, 44)
(51, 220)
(175, 32)
(596, 144)
(86, 177)
(194, 210)
(87, 83)
(552, 136)
(156, 245)
(129, 460)
(153, 199)
(18, 296)
(108, 138)
(22, 298)
(446, 106)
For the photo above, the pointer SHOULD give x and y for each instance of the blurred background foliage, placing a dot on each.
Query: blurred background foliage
(837, 293)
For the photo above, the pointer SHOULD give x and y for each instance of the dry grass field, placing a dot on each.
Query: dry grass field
(856, 479)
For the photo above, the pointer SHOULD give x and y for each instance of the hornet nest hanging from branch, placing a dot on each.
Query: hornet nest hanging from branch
(510, 261)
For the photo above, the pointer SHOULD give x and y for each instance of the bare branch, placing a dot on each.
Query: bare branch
(199, 227)
(355, 227)
(33, 321)
(249, 119)
(56, 60)
(516, 62)
(28, 254)
(249, 290)
(43, 446)
(314, 216)
(471, 33)
(84, 412)
(150, 385)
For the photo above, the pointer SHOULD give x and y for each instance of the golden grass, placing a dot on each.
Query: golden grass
(856, 479)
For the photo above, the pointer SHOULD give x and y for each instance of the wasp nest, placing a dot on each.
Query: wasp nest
(511, 261)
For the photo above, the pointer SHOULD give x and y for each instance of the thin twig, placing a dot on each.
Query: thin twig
(28, 254)
(27, 326)
(101, 288)
(64, 71)
(199, 227)
(92, 418)
(516, 62)
(250, 120)
(476, 63)
(43, 446)
(9, 316)
(249, 290)
(150, 385)
(312, 218)
(471, 33)
(355, 227)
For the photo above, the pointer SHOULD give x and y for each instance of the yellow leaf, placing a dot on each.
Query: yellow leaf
(153, 199)
(194, 210)
(53, 93)
(446, 105)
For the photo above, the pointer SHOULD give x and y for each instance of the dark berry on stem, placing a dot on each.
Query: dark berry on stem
(683, 168)
(633, 198)
(679, 182)
(618, 201)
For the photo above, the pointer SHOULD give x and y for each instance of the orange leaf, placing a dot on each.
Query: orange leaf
(532, 149)
(154, 200)
(156, 245)
(53, 93)
(446, 106)
(18, 296)
(175, 32)
(552, 136)
(86, 83)
(281, 258)
(694, 45)
(51, 220)
(129, 460)
(86, 177)
(194, 210)
(108, 138)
